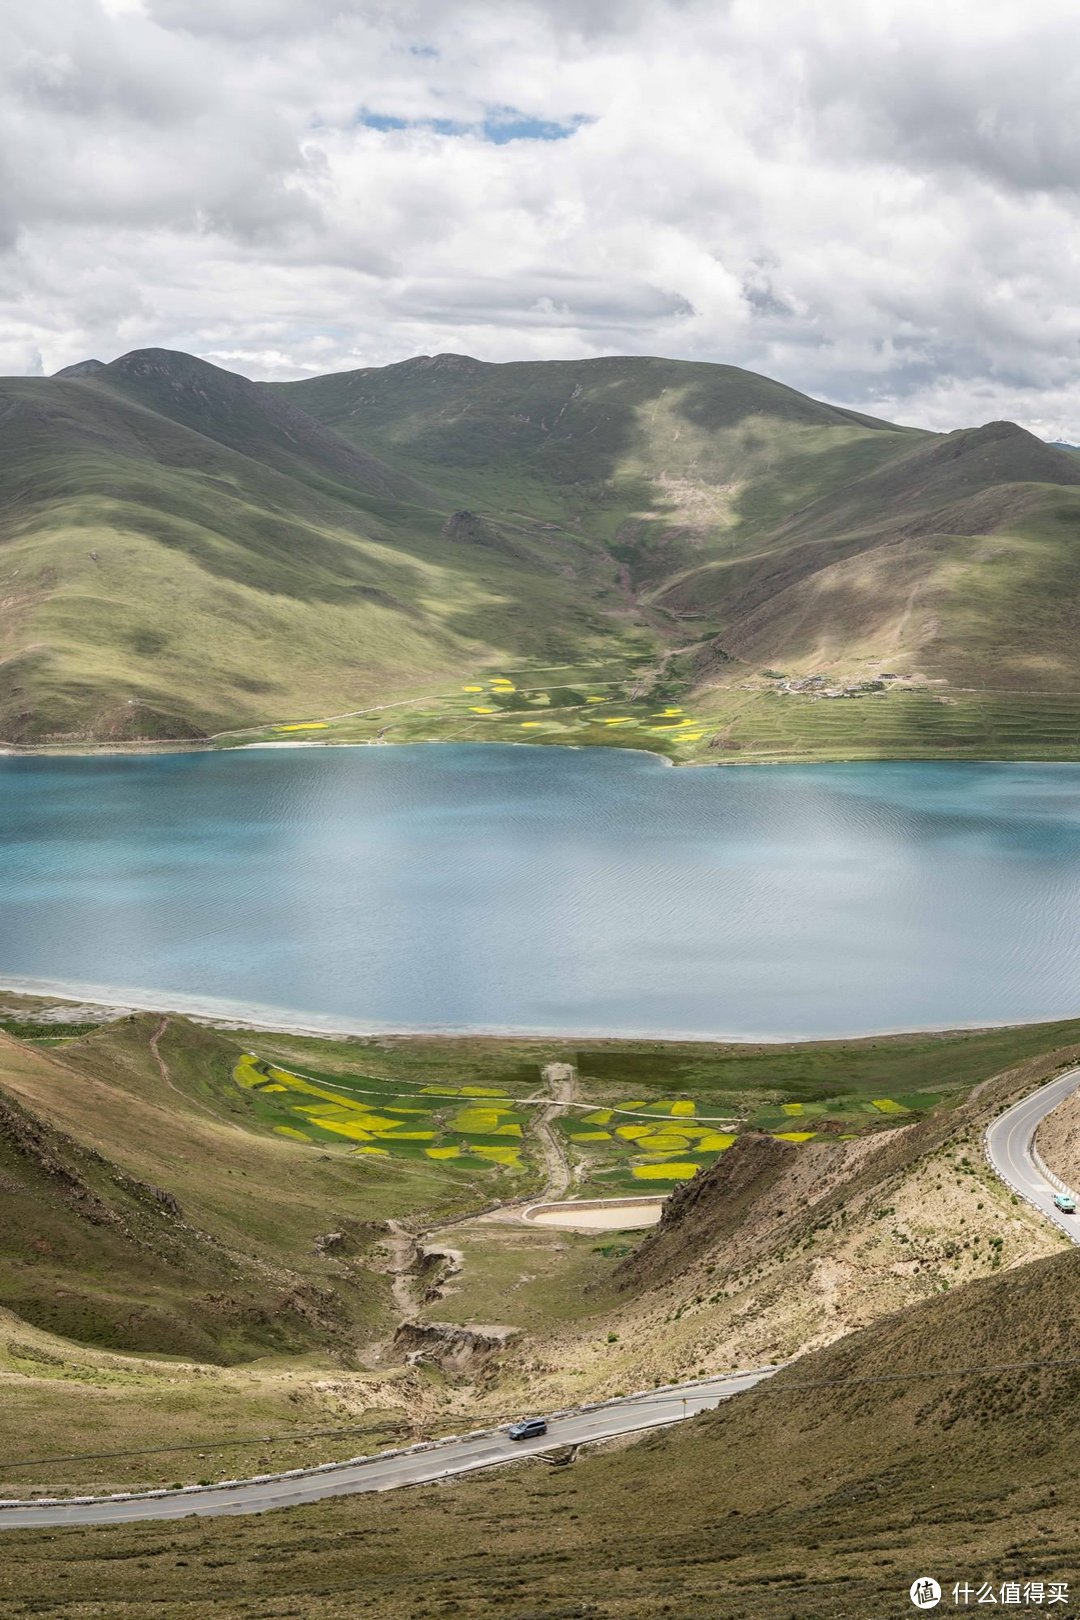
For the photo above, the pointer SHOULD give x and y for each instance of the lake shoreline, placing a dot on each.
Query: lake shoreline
(220, 1014)
(164, 748)
(153, 750)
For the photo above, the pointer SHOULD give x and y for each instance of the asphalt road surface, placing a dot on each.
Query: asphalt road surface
(387, 1473)
(1010, 1150)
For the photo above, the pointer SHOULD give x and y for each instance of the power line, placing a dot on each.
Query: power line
(191, 1445)
(979, 1370)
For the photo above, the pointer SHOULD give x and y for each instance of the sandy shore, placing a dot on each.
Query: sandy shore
(211, 746)
(114, 1001)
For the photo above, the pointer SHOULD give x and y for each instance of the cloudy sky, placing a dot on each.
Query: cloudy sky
(874, 200)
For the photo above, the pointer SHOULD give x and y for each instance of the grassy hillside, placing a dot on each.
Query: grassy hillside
(898, 565)
(181, 552)
(758, 530)
(164, 1279)
(133, 1224)
(908, 1449)
(596, 441)
(185, 553)
(156, 1210)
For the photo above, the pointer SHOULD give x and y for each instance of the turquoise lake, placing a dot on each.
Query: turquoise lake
(541, 889)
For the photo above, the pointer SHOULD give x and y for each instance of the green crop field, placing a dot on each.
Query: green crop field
(721, 726)
(898, 724)
(633, 1144)
(454, 1127)
(463, 1107)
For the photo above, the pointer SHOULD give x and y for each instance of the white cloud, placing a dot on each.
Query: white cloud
(874, 200)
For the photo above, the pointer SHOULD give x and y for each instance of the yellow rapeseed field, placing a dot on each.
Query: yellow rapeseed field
(672, 1170)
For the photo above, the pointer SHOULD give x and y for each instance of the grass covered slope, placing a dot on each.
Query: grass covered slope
(93, 1254)
(184, 552)
(145, 1210)
(757, 527)
(947, 557)
(618, 434)
(181, 552)
(910, 1448)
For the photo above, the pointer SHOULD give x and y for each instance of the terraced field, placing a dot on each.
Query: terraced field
(633, 1144)
(932, 723)
(638, 1145)
(572, 705)
(603, 705)
(467, 1127)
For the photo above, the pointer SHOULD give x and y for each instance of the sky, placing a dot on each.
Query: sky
(875, 201)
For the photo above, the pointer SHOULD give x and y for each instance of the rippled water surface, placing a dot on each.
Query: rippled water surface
(547, 889)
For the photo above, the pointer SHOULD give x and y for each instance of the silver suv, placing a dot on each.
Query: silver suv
(527, 1429)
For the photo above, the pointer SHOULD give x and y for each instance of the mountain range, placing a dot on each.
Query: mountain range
(184, 551)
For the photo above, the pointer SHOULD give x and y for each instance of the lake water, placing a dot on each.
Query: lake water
(555, 890)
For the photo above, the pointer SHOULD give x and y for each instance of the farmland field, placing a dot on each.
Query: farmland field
(473, 1126)
(630, 704)
(246, 1346)
(615, 1143)
(647, 1115)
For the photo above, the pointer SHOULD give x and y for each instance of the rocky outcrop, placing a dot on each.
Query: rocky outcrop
(330, 1243)
(1058, 1139)
(758, 1194)
(453, 1347)
(52, 1155)
(433, 1270)
(469, 528)
(167, 1200)
(705, 1211)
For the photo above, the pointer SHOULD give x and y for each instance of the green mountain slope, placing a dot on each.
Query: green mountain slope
(658, 459)
(181, 552)
(795, 532)
(242, 416)
(94, 1249)
(184, 552)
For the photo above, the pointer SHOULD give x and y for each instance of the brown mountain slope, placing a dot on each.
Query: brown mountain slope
(909, 1449)
(138, 1215)
(94, 1254)
(952, 559)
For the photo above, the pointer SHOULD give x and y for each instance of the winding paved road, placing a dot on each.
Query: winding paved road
(1010, 1148)
(440, 1460)
(1009, 1142)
